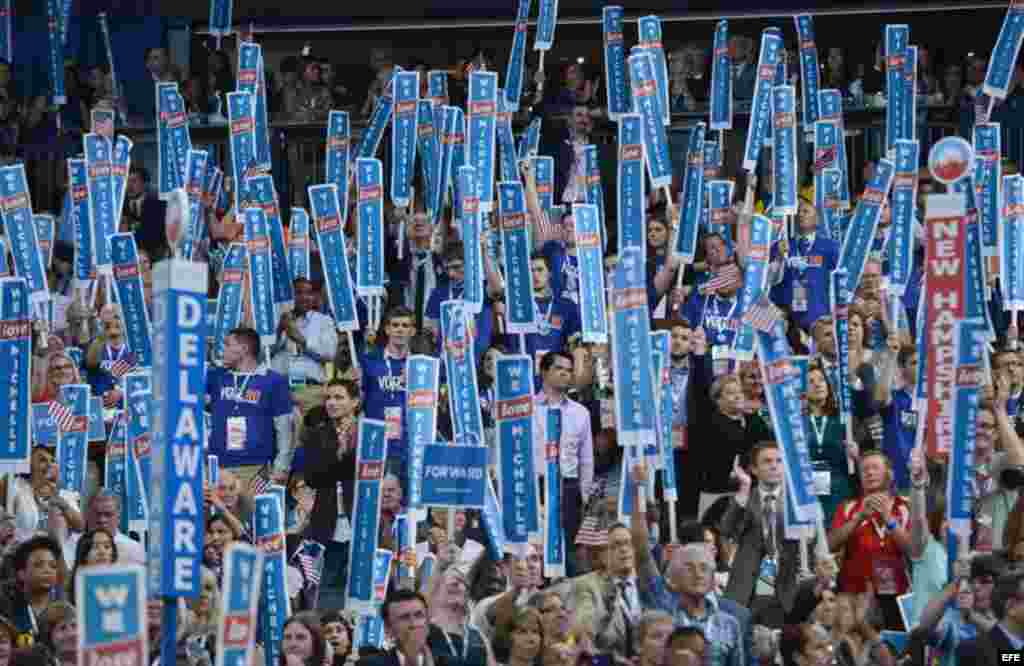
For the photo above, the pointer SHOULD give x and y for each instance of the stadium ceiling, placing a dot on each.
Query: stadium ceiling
(313, 15)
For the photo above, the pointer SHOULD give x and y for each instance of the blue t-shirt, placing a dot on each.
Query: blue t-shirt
(565, 271)
(899, 421)
(809, 266)
(258, 398)
(384, 399)
(558, 320)
(483, 322)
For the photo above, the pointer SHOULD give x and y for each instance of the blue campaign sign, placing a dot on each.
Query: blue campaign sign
(15, 365)
(454, 476)
(111, 614)
(176, 483)
(236, 627)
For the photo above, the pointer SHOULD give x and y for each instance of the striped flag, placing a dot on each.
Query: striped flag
(259, 483)
(762, 315)
(121, 367)
(310, 560)
(726, 277)
(62, 416)
(545, 225)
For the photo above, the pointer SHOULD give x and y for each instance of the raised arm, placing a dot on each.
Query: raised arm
(541, 233)
(919, 533)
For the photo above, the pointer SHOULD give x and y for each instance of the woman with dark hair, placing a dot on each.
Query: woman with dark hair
(329, 440)
(338, 633)
(806, 645)
(220, 533)
(302, 639)
(95, 547)
(829, 451)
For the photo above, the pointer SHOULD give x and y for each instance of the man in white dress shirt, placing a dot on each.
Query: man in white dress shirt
(306, 339)
(104, 512)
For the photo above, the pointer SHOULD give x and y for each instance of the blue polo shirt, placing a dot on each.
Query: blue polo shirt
(899, 422)
(809, 265)
(257, 398)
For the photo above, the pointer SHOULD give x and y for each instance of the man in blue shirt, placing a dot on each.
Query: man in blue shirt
(453, 287)
(804, 287)
(899, 419)
(557, 318)
(251, 410)
(384, 385)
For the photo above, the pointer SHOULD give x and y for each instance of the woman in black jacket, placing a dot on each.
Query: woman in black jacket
(330, 442)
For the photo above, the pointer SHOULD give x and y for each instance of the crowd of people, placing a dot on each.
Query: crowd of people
(730, 583)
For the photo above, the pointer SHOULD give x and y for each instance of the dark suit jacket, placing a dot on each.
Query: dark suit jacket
(744, 525)
(150, 229)
(390, 658)
(323, 471)
(743, 85)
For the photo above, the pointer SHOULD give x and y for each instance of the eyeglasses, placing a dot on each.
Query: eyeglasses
(62, 367)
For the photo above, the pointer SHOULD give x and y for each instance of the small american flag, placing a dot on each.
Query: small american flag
(311, 560)
(726, 277)
(121, 367)
(62, 415)
(762, 315)
(259, 484)
(591, 533)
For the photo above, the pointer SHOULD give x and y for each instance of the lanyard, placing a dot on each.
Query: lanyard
(111, 356)
(401, 368)
(239, 392)
(712, 301)
(465, 642)
(819, 423)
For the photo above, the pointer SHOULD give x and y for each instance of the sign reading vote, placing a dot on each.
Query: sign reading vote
(454, 476)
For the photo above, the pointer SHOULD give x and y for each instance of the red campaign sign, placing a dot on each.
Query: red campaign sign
(143, 446)
(258, 244)
(14, 330)
(421, 398)
(513, 221)
(632, 151)
(231, 275)
(515, 409)
(945, 249)
(125, 271)
(588, 239)
(238, 630)
(371, 471)
(328, 223)
(128, 652)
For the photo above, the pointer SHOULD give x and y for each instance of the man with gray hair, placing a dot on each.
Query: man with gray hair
(104, 512)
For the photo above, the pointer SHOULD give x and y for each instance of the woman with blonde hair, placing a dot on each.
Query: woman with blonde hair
(57, 369)
(450, 630)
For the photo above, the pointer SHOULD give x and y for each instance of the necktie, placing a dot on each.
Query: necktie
(421, 291)
(769, 523)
